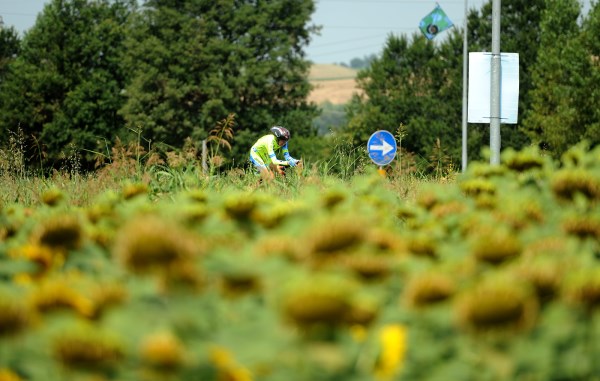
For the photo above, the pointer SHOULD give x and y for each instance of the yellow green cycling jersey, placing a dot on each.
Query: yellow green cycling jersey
(263, 152)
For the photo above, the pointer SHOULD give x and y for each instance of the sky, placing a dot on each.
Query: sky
(350, 28)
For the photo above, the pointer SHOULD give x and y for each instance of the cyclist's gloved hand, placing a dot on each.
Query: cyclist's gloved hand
(292, 162)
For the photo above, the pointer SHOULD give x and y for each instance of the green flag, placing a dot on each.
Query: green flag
(435, 22)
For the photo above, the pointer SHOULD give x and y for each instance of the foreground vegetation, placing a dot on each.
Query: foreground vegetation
(164, 273)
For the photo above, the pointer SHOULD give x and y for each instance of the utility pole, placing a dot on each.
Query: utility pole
(464, 101)
(495, 79)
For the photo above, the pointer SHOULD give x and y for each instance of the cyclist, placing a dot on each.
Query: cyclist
(263, 152)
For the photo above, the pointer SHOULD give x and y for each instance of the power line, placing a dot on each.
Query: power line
(347, 50)
(18, 14)
(385, 1)
(365, 27)
(350, 40)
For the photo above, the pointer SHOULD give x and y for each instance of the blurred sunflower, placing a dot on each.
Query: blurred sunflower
(59, 294)
(9, 375)
(44, 257)
(496, 305)
(335, 235)
(149, 244)
(321, 300)
(583, 288)
(15, 316)
(64, 233)
(428, 289)
(88, 348)
(52, 197)
(163, 351)
(227, 368)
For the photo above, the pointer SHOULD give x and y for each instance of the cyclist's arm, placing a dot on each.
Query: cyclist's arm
(272, 156)
(287, 156)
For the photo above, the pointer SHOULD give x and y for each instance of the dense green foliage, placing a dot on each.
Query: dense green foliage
(194, 62)
(65, 85)
(565, 98)
(418, 83)
(410, 84)
(9, 48)
(90, 71)
(331, 118)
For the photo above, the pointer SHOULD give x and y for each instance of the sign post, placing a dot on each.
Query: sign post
(382, 148)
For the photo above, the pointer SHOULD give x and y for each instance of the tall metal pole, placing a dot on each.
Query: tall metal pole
(496, 71)
(464, 100)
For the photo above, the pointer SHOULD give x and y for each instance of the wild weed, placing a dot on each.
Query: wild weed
(345, 161)
(220, 137)
(12, 159)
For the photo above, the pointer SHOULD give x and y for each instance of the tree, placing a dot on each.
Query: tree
(413, 83)
(591, 89)
(65, 86)
(520, 33)
(195, 62)
(9, 48)
(556, 119)
(433, 109)
(361, 63)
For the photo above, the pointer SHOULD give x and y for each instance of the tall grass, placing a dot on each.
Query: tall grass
(172, 170)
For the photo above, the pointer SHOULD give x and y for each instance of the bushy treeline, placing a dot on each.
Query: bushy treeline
(91, 72)
(418, 83)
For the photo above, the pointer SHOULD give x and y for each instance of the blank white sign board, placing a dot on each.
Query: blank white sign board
(480, 65)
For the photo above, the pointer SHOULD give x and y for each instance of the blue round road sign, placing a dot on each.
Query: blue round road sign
(382, 147)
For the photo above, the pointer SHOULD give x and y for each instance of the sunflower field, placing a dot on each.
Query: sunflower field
(492, 275)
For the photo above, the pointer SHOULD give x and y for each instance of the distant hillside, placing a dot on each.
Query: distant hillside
(333, 83)
(324, 72)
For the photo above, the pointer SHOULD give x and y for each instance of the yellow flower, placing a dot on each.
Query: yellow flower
(132, 190)
(23, 279)
(43, 256)
(52, 197)
(8, 375)
(392, 338)
(335, 235)
(358, 333)
(163, 351)
(478, 186)
(368, 266)
(63, 232)
(237, 374)
(319, 301)
(239, 207)
(238, 283)
(14, 315)
(583, 288)
(524, 160)
(105, 296)
(87, 348)
(495, 245)
(566, 183)
(228, 369)
(497, 304)
(220, 357)
(150, 243)
(427, 289)
(56, 295)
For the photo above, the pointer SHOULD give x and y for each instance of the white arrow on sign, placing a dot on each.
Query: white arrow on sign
(385, 147)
